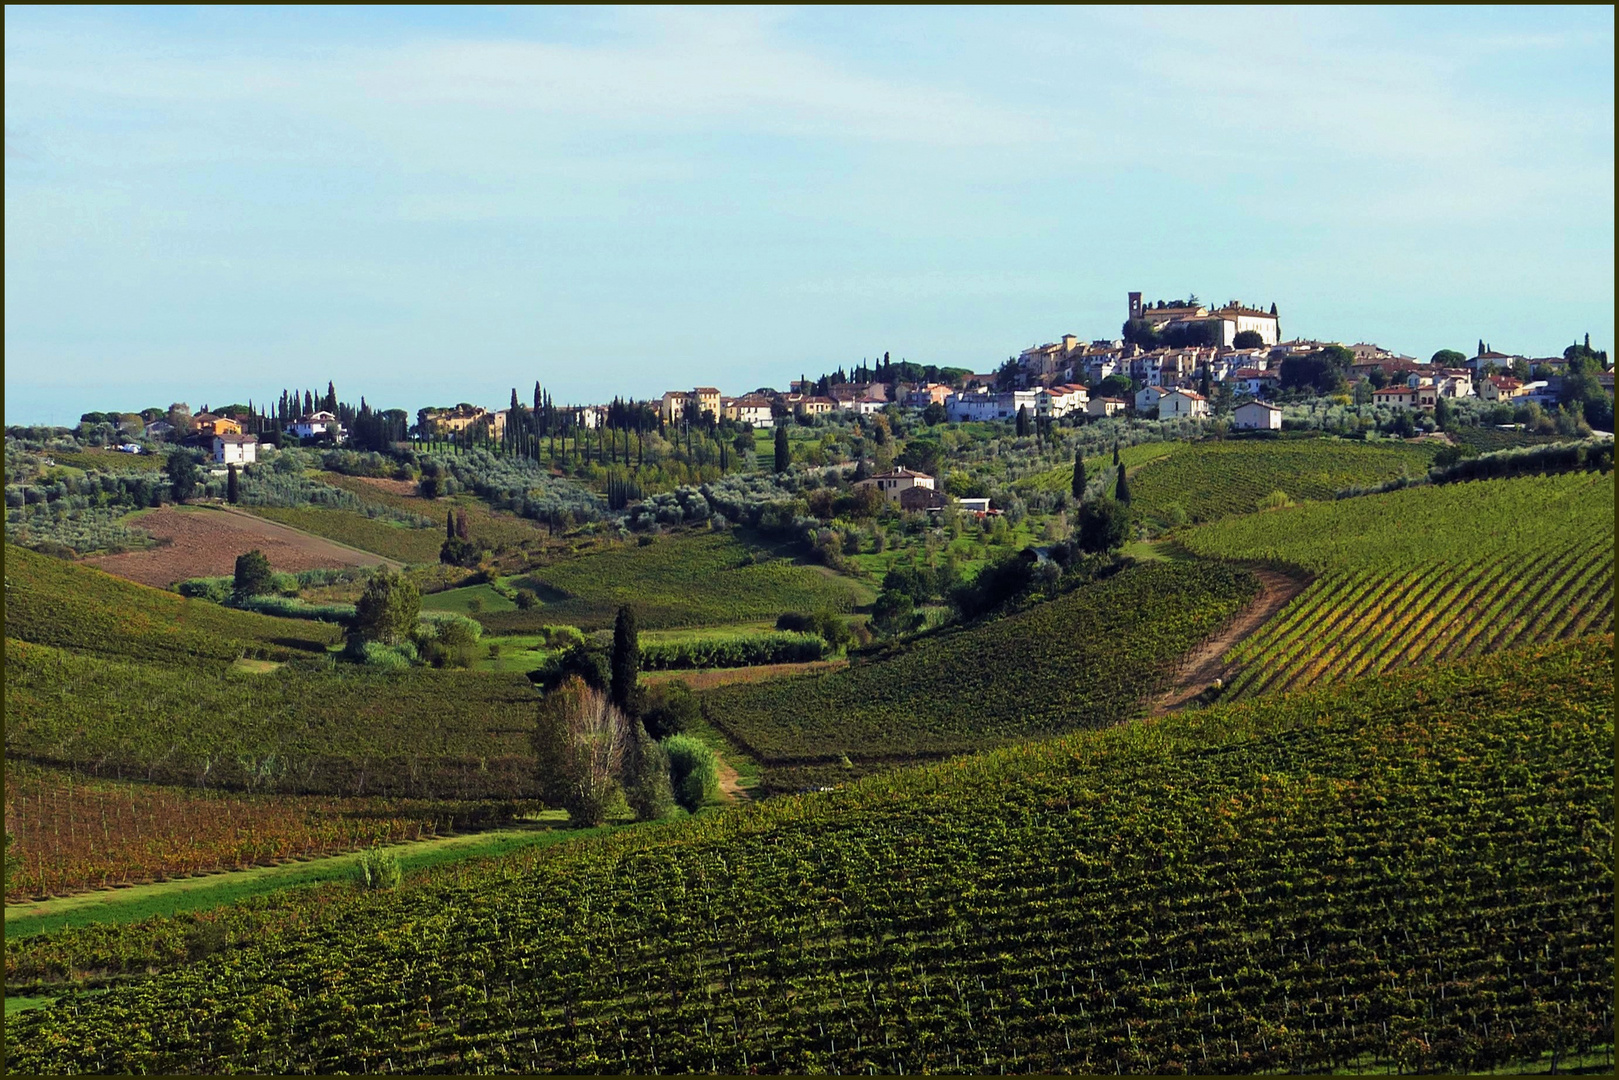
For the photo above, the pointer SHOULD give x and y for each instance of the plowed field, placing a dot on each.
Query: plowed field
(205, 542)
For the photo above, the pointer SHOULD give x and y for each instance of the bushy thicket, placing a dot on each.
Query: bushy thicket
(508, 483)
(775, 648)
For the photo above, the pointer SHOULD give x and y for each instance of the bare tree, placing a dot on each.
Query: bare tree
(580, 743)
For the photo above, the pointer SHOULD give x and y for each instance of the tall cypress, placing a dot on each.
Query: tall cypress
(233, 486)
(626, 661)
(1122, 491)
(1079, 475)
(784, 456)
(449, 524)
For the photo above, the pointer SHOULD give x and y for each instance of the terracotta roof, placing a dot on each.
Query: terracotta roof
(233, 439)
(1193, 394)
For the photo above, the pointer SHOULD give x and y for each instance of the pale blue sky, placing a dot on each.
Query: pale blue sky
(431, 206)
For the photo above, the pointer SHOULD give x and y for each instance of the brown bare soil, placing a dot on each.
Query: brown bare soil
(708, 678)
(731, 782)
(204, 542)
(405, 489)
(1205, 664)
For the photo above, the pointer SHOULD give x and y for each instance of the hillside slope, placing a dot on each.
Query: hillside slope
(1085, 659)
(1413, 871)
(1425, 574)
(51, 602)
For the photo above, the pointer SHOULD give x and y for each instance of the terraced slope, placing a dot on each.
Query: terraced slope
(1425, 574)
(1408, 872)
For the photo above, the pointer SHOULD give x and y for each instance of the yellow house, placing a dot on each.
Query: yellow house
(209, 424)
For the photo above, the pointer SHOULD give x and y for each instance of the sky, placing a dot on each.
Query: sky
(427, 206)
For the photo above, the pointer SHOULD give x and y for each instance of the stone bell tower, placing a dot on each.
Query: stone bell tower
(1135, 305)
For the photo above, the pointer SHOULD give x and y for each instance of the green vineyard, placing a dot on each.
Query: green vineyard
(1425, 574)
(1411, 872)
(1084, 660)
(1213, 480)
(342, 731)
(57, 603)
(695, 579)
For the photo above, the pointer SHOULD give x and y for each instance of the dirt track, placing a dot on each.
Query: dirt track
(205, 542)
(1204, 664)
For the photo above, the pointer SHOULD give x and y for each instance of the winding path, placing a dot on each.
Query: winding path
(1205, 663)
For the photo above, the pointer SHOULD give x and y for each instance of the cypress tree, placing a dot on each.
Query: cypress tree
(784, 456)
(1115, 452)
(1079, 475)
(626, 661)
(449, 524)
(233, 486)
(1122, 491)
(1022, 420)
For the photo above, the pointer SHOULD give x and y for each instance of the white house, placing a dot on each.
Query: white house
(1147, 397)
(1055, 401)
(892, 483)
(1255, 381)
(751, 409)
(1257, 416)
(236, 449)
(315, 423)
(985, 406)
(1182, 405)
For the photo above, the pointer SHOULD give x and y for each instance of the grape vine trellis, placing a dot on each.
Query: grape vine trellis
(1416, 575)
(1410, 871)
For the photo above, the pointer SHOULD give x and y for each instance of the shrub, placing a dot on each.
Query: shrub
(669, 708)
(217, 589)
(377, 869)
(253, 574)
(693, 771)
(647, 787)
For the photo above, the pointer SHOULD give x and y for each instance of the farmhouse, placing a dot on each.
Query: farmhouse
(316, 423)
(750, 409)
(1147, 397)
(209, 424)
(1104, 406)
(1182, 405)
(1257, 416)
(893, 484)
(157, 429)
(1401, 397)
(235, 449)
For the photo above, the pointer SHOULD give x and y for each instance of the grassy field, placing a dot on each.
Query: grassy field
(1083, 660)
(690, 579)
(1345, 880)
(389, 539)
(1210, 480)
(1425, 574)
(464, 600)
(111, 461)
(52, 602)
(1131, 457)
(496, 529)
